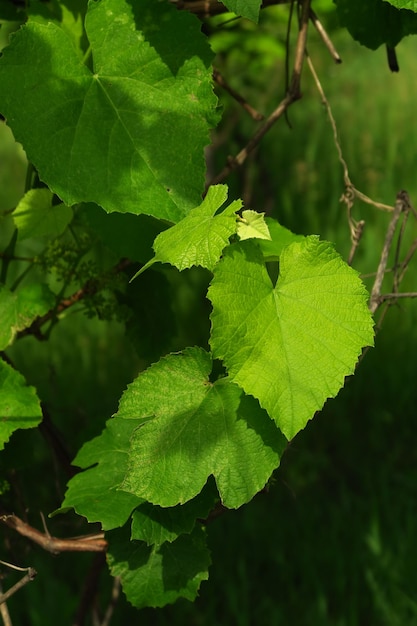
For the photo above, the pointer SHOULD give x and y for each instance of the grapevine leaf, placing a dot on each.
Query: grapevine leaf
(155, 525)
(158, 575)
(376, 22)
(198, 429)
(19, 309)
(35, 216)
(280, 238)
(129, 133)
(404, 4)
(252, 225)
(68, 14)
(291, 345)
(94, 493)
(19, 404)
(245, 8)
(201, 236)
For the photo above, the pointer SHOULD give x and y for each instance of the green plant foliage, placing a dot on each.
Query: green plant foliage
(126, 116)
(404, 4)
(35, 216)
(252, 225)
(245, 8)
(19, 309)
(201, 236)
(94, 493)
(376, 22)
(198, 429)
(297, 340)
(154, 576)
(19, 404)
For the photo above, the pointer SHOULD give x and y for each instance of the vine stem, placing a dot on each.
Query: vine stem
(293, 94)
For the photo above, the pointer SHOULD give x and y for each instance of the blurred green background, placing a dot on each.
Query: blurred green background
(334, 542)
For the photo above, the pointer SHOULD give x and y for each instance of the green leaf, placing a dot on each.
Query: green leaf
(245, 8)
(199, 429)
(35, 216)
(199, 238)
(94, 493)
(375, 22)
(281, 237)
(252, 225)
(19, 309)
(158, 575)
(129, 133)
(155, 525)
(19, 404)
(404, 4)
(68, 14)
(289, 345)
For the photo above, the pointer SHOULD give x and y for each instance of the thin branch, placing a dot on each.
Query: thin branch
(219, 79)
(28, 577)
(325, 37)
(208, 8)
(4, 611)
(88, 543)
(402, 204)
(89, 288)
(115, 595)
(89, 592)
(292, 96)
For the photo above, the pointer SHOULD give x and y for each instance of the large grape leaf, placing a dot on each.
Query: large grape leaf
(245, 8)
(158, 575)
(19, 404)
(94, 492)
(19, 309)
(127, 134)
(376, 22)
(198, 429)
(201, 236)
(289, 345)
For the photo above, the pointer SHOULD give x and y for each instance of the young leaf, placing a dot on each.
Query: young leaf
(280, 237)
(252, 225)
(245, 8)
(94, 493)
(289, 345)
(19, 309)
(199, 429)
(199, 238)
(129, 133)
(19, 404)
(404, 4)
(35, 216)
(158, 575)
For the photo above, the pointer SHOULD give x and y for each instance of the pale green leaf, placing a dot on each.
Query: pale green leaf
(198, 429)
(35, 216)
(280, 238)
(19, 404)
(94, 493)
(290, 345)
(159, 575)
(199, 238)
(125, 127)
(252, 225)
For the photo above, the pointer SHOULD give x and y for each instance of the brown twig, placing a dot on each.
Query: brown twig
(208, 8)
(402, 204)
(325, 37)
(28, 577)
(89, 288)
(88, 543)
(219, 79)
(293, 94)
